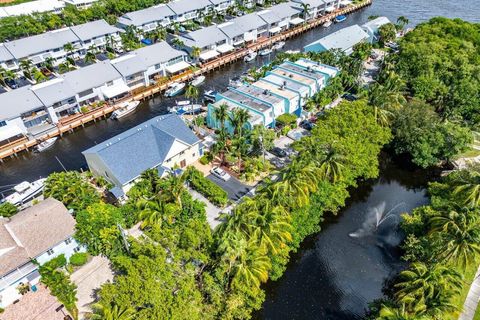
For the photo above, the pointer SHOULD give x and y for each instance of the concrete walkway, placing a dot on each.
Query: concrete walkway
(471, 303)
(213, 212)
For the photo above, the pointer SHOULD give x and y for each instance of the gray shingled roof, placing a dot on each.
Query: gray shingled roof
(53, 91)
(231, 29)
(344, 38)
(146, 57)
(143, 147)
(203, 37)
(184, 6)
(18, 101)
(5, 55)
(141, 17)
(25, 47)
(93, 29)
(37, 228)
(91, 76)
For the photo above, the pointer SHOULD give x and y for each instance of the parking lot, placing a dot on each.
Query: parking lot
(232, 186)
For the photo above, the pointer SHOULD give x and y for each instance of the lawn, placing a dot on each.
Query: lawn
(469, 275)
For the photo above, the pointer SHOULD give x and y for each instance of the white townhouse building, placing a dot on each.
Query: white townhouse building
(142, 66)
(123, 158)
(187, 9)
(96, 82)
(80, 4)
(7, 60)
(41, 233)
(27, 8)
(147, 19)
(280, 17)
(222, 5)
(51, 44)
(210, 40)
(244, 29)
(57, 97)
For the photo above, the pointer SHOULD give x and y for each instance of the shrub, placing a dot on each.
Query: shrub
(79, 259)
(7, 210)
(287, 119)
(204, 160)
(210, 190)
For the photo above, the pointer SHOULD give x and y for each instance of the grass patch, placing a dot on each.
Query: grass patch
(459, 300)
(472, 153)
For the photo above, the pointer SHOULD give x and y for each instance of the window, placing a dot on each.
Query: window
(157, 66)
(193, 154)
(76, 249)
(50, 252)
(68, 241)
(3, 123)
(109, 83)
(183, 152)
(183, 164)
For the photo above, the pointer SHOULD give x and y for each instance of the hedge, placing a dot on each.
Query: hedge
(207, 188)
(78, 259)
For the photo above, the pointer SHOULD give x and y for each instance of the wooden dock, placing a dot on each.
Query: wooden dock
(12, 149)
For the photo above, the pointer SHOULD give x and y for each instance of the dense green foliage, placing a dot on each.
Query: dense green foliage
(209, 189)
(7, 210)
(72, 189)
(59, 283)
(78, 259)
(286, 119)
(442, 241)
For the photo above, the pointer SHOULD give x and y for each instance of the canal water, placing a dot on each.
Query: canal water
(337, 272)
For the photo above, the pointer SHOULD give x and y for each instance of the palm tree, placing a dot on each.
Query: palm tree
(239, 118)
(468, 188)
(175, 188)
(240, 148)
(221, 145)
(392, 313)
(90, 56)
(460, 233)
(48, 63)
(177, 42)
(195, 52)
(402, 21)
(65, 67)
(151, 211)
(306, 10)
(330, 164)
(105, 311)
(26, 66)
(38, 76)
(221, 114)
(69, 48)
(6, 75)
(421, 286)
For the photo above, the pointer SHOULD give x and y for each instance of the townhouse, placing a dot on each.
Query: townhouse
(122, 159)
(244, 29)
(188, 10)
(344, 39)
(143, 66)
(27, 8)
(52, 44)
(210, 40)
(279, 17)
(147, 19)
(39, 233)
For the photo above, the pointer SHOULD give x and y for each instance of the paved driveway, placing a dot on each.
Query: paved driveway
(213, 212)
(233, 187)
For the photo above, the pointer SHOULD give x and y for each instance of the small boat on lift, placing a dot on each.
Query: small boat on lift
(250, 56)
(47, 144)
(197, 81)
(175, 89)
(265, 52)
(25, 191)
(327, 24)
(278, 45)
(210, 95)
(340, 18)
(125, 109)
(185, 107)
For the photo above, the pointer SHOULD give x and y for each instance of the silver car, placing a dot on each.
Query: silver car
(220, 173)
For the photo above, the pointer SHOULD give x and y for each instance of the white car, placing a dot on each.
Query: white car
(219, 173)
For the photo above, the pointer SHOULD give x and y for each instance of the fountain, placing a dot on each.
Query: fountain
(375, 218)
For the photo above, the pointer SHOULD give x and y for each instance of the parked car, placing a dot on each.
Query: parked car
(307, 125)
(349, 97)
(11, 83)
(279, 152)
(277, 163)
(220, 173)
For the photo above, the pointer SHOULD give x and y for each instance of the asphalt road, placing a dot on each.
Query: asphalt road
(233, 187)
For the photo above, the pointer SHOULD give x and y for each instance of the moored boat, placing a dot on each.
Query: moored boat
(265, 52)
(25, 191)
(185, 107)
(210, 95)
(250, 56)
(197, 81)
(235, 82)
(278, 45)
(175, 89)
(125, 109)
(47, 144)
(327, 24)
(340, 18)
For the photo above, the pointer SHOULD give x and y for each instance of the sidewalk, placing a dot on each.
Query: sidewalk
(471, 303)
(213, 212)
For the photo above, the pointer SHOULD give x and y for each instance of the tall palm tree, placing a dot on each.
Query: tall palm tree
(175, 188)
(38, 76)
(221, 114)
(69, 48)
(26, 66)
(90, 56)
(421, 286)
(239, 118)
(48, 63)
(221, 145)
(460, 233)
(330, 164)
(468, 188)
(195, 52)
(106, 311)
(6, 75)
(240, 148)
(392, 313)
(402, 21)
(306, 10)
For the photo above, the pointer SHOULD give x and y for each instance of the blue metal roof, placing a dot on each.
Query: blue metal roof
(143, 147)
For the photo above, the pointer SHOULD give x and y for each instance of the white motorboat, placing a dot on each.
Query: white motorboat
(327, 24)
(175, 88)
(197, 81)
(292, 51)
(210, 95)
(25, 191)
(250, 56)
(185, 107)
(265, 52)
(125, 109)
(235, 82)
(47, 144)
(278, 45)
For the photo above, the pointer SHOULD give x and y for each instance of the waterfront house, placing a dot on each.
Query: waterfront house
(96, 34)
(188, 10)
(41, 233)
(147, 19)
(344, 39)
(210, 40)
(160, 143)
(315, 8)
(278, 17)
(328, 71)
(143, 66)
(372, 28)
(96, 82)
(7, 60)
(244, 29)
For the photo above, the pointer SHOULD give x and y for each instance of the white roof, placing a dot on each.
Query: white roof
(34, 6)
(90, 30)
(177, 67)
(203, 37)
(14, 103)
(92, 76)
(144, 16)
(184, 6)
(53, 91)
(376, 23)
(5, 55)
(9, 131)
(343, 39)
(208, 55)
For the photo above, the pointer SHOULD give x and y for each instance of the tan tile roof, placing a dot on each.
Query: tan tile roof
(33, 231)
(39, 305)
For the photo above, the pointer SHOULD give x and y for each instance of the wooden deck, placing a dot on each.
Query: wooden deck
(68, 125)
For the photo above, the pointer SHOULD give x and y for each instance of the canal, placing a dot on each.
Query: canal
(338, 271)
